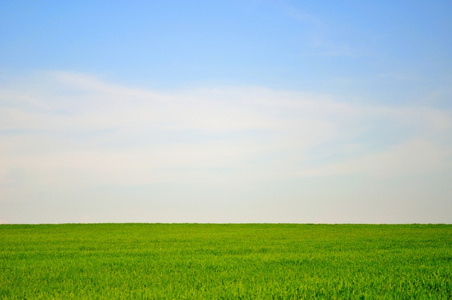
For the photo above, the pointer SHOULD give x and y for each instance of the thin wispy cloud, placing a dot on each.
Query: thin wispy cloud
(65, 132)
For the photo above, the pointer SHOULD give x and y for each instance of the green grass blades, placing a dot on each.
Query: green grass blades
(225, 261)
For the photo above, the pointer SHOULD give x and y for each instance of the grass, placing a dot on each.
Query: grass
(225, 261)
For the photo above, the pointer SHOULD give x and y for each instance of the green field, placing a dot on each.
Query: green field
(226, 261)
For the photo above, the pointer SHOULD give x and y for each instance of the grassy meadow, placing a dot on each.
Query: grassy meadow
(225, 261)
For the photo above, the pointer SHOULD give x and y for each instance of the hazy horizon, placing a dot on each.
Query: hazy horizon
(226, 112)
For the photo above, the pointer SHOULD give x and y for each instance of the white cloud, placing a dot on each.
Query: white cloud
(62, 132)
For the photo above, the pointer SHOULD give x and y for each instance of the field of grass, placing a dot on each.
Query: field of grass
(227, 261)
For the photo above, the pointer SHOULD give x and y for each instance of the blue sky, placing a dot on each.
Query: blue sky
(225, 111)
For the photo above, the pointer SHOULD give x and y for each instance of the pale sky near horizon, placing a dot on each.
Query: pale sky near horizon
(226, 111)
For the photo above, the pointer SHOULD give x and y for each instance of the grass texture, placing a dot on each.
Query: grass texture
(225, 261)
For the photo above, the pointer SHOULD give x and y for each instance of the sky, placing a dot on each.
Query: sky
(226, 111)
